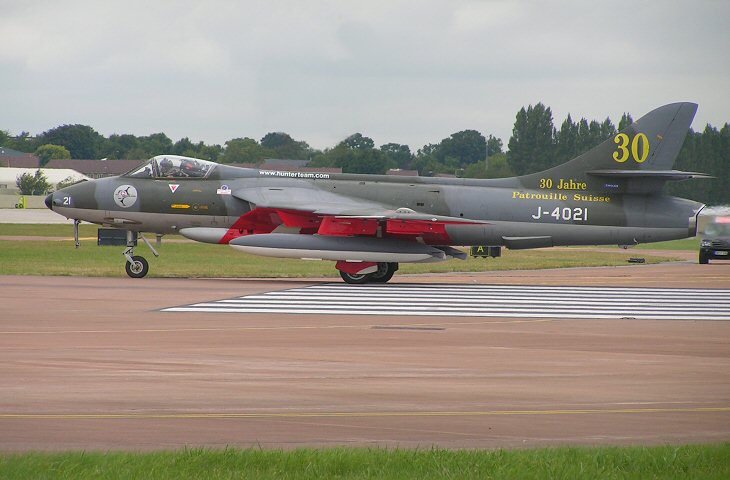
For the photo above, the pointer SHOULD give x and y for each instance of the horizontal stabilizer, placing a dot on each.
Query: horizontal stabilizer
(667, 175)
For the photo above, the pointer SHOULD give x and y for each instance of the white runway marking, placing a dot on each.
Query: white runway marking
(482, 301)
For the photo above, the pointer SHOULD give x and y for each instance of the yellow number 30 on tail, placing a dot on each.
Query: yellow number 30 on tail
(622, 150)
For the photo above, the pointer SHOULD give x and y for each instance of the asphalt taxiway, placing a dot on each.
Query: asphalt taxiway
(96, 364)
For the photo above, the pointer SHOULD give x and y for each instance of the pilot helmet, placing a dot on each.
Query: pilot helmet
(165, 164)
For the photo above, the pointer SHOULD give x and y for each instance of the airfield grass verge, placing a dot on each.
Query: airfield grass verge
(51, 256)
(692, 244)
(64, 230)
(680, 462)
(220, 261)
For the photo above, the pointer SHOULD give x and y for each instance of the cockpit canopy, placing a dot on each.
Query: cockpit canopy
(172, 166)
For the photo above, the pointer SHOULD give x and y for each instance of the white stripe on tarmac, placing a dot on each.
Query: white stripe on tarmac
(511, 301)
(530, 300)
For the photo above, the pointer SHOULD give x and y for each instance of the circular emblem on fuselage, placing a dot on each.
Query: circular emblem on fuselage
(125, 196)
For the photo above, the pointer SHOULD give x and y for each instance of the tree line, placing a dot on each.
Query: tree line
(535, 145)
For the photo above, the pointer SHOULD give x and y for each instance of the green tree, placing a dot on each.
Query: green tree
(22, 142)
(496, 167)
(399, 154)
(608, 129)
(706, 152)
(137, 153)
(184, 147)
(81, 140)
(325, 159)
(355, 154)
(625, 121)
(425, 161)
(499, 167)
(120, 146)
(494, 145)
(592, 134)
(574, 139)
(50, 152)
(462, 148)
(209, 152)
(712, 158)
(358, 142)
(531, 145)
(566, 140)
(427, 164)
(364, 161)
(33, 184)
(285, 146)
(245, 150)
(476, 170)
(156, 144)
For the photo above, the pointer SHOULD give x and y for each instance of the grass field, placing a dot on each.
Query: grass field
(692, 244)
(667, 462)
(190, 259)
(47, 230)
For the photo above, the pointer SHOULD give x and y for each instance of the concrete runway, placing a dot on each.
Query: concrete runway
(92, 363)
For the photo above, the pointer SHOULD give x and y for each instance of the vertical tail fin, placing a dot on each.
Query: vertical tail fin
(644, 150)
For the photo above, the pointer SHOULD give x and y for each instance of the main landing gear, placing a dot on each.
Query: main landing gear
(136, 266)
(383, 272)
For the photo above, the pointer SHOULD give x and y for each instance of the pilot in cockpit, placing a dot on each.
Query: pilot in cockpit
(166, 168)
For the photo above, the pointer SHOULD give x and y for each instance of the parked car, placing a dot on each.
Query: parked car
(715, 242)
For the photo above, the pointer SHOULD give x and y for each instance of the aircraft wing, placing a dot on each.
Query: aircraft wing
(314, 211)
(307, 199)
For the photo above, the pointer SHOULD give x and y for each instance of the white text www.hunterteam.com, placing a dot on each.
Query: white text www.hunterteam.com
(277, 173)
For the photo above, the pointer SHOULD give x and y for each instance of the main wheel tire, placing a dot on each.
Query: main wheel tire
(704, 260)
(138, 268)
(355, 279)
(384, 273)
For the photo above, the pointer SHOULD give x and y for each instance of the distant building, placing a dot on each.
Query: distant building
(16, 159)
(9, 175)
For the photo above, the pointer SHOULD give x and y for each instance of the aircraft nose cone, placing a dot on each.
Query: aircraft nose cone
(49, 201)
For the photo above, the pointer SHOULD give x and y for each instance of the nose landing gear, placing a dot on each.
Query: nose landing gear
(136, 266)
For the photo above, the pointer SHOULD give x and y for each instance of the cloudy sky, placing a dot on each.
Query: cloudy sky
(398, 71)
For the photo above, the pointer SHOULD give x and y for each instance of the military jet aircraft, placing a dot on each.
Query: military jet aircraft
(368, 224)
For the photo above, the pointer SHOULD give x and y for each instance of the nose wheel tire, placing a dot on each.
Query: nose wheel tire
(138, 268)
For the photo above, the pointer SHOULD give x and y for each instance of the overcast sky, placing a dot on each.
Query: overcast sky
(410, 72)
